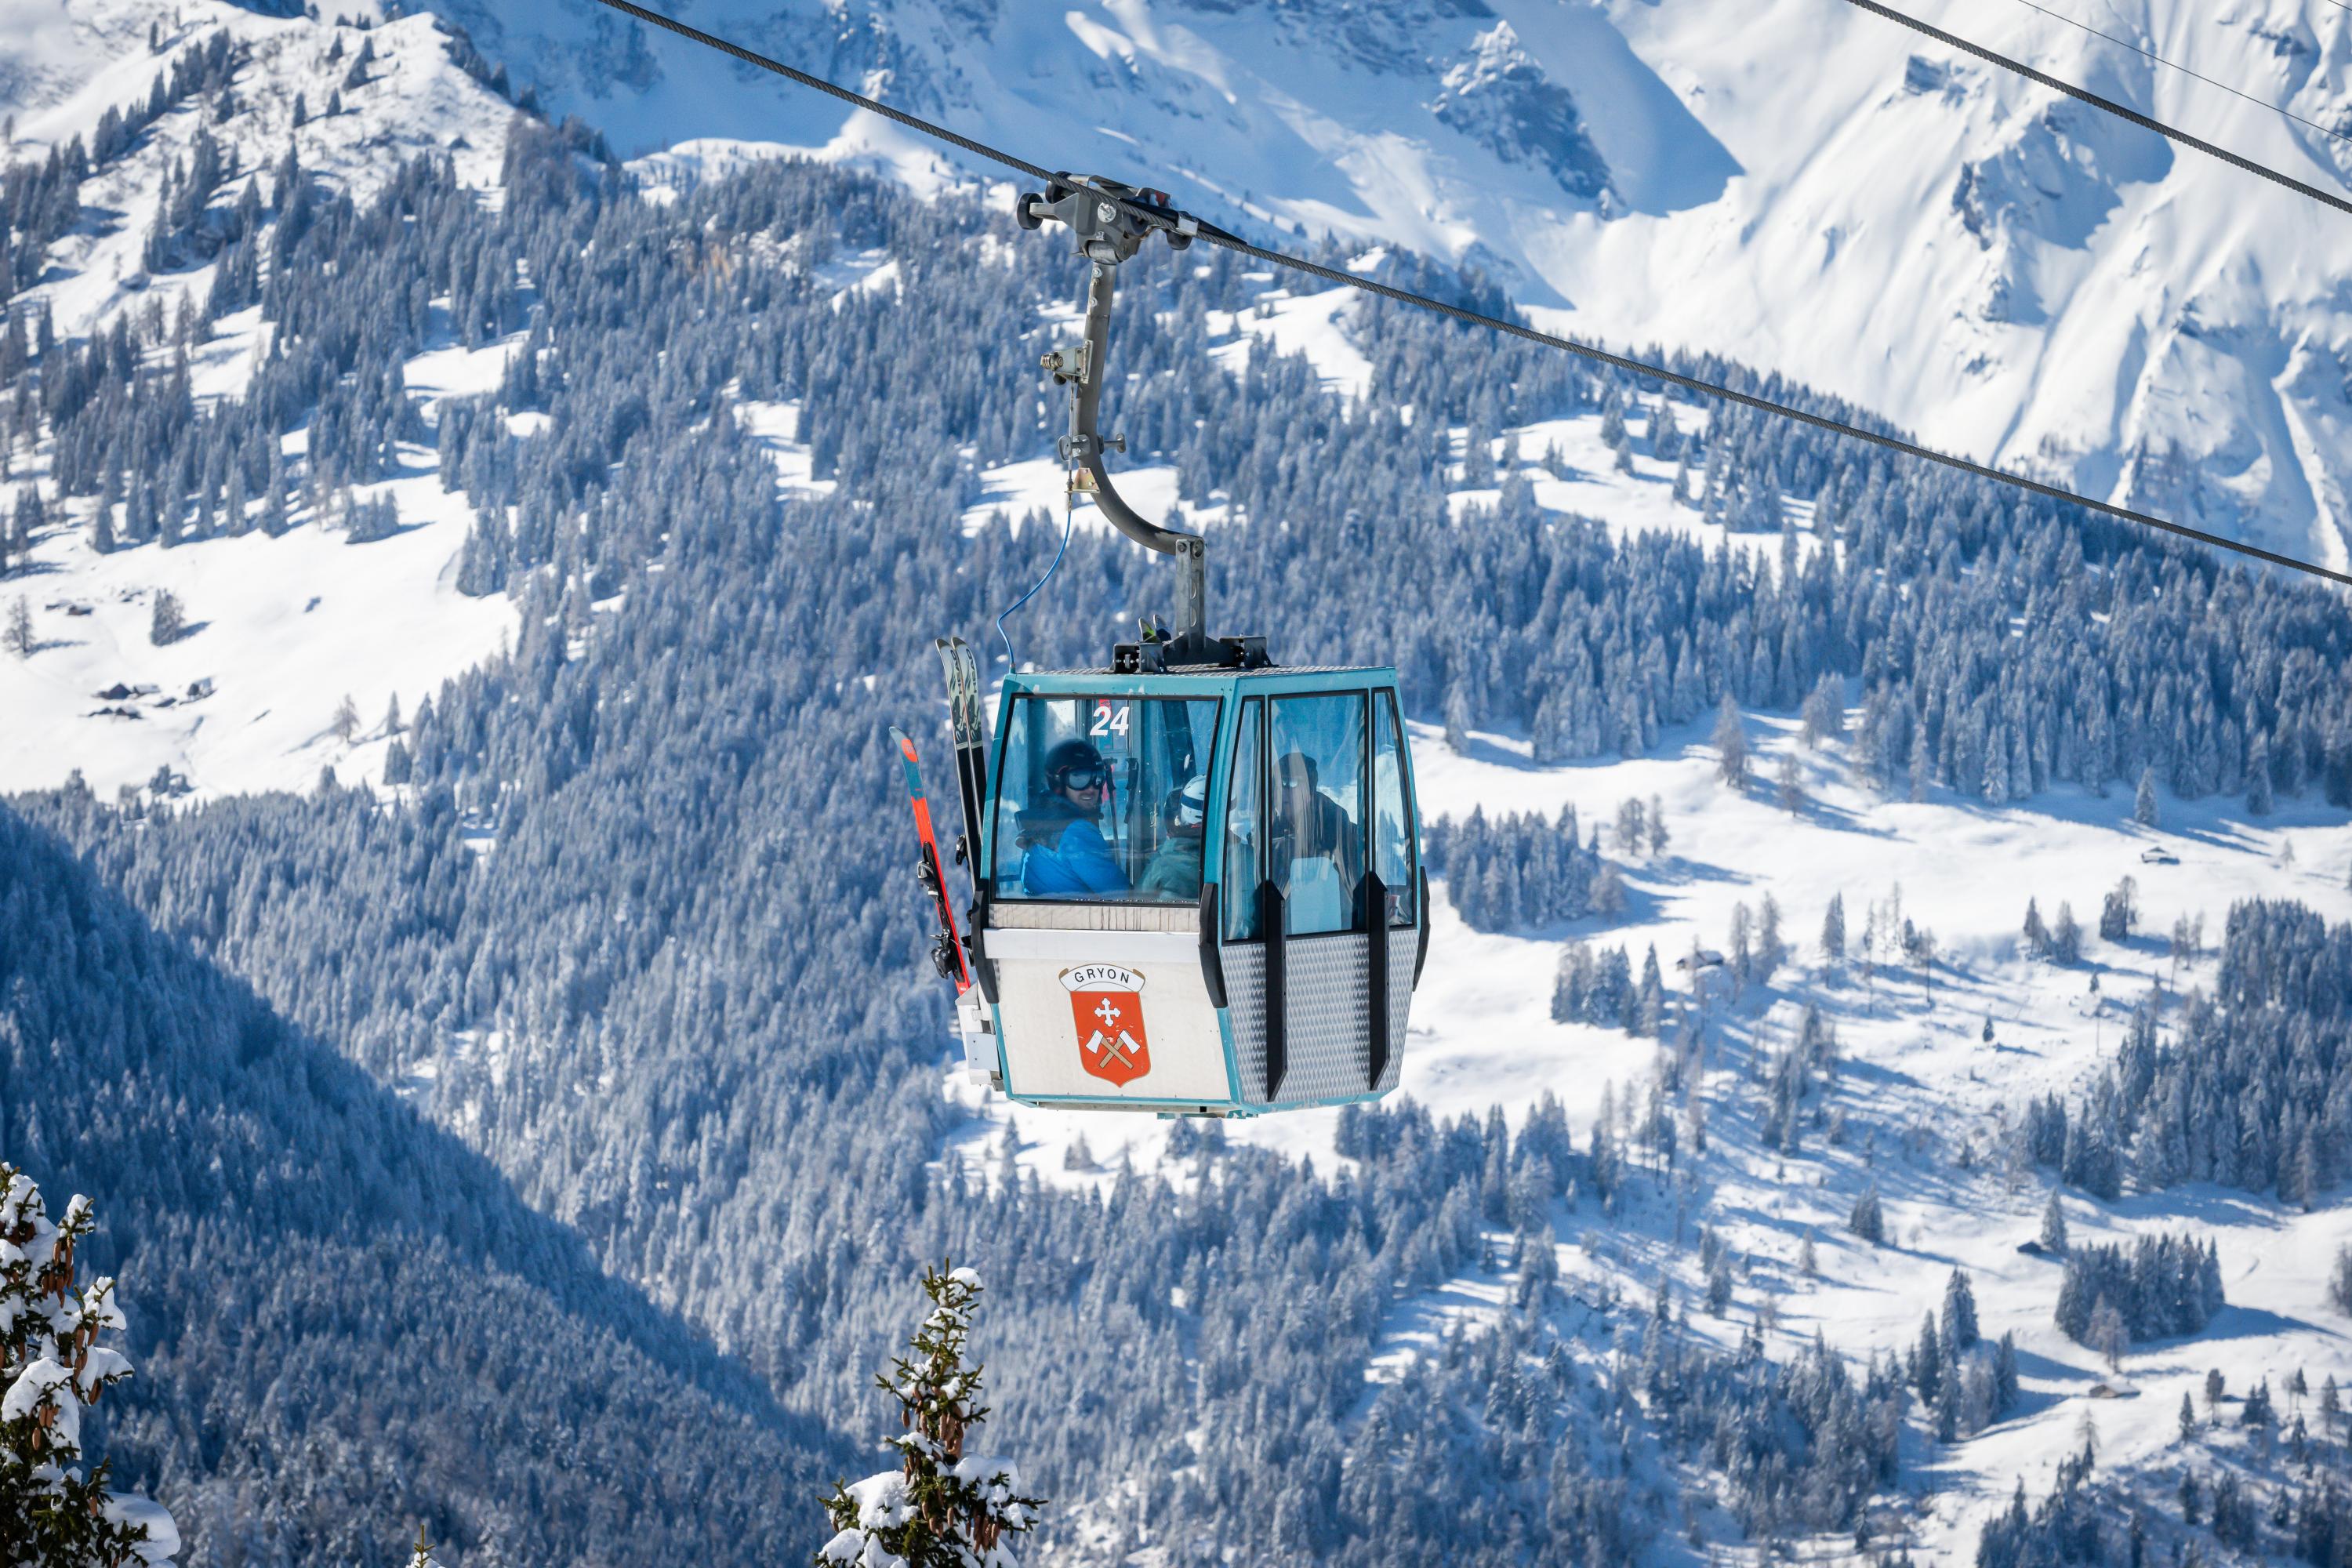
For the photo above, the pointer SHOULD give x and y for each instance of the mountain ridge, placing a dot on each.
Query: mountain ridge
(2008, 273)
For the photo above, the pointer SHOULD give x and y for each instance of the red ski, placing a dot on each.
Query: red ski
(947, 949)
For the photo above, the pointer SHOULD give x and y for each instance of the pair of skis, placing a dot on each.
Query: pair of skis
(966, 719)
(947, 950)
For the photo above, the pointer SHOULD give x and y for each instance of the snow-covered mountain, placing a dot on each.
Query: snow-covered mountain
(279, 632)
(1599, 159)
(1802, 187)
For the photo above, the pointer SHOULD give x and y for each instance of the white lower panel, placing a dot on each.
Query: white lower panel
(1082, 1011)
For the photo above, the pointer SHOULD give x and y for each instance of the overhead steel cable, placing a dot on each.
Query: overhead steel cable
(2185, 71)
(2121, 111)
(1160, 219)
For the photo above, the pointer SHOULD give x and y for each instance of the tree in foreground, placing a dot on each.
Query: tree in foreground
(942, 1508)
(51, 1369)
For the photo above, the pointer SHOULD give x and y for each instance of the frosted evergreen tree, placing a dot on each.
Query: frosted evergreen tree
(942, 1508)
(2339, 1280)
(1659, 838)
(2188, 1417)
(52, 1368)
(1631, 825)
(1730, 740)
(1960, 1312)
(2144, 799)
(2065, 936)
(346, 721)
(166, 621)
(19, 635)
(1457, 719)
(2053, 1224)
(2037, 935)
(2120, 913)
(1771, 947)
(1833, 929)
(2107, 1334)
(1868, 1221)
(2004, 1375)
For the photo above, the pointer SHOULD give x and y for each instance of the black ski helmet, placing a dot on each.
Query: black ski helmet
(1067, 757)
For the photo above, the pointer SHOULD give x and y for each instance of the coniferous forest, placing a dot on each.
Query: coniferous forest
(541, 1149)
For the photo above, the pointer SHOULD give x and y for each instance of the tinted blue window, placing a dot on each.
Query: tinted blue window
(1317, 842)
(1103, 798)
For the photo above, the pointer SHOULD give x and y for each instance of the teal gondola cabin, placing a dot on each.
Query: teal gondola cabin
(1200, 892)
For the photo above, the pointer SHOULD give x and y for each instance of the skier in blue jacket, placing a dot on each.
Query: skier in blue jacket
(1063, 851)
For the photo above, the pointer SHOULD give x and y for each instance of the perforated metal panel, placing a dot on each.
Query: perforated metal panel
(1328, 1017)
(1403, 946)
(1244, 966)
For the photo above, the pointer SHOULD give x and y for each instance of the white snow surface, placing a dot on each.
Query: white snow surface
(280, 631)
(1802, 186)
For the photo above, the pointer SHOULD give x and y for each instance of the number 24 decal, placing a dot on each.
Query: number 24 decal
(1110, 720)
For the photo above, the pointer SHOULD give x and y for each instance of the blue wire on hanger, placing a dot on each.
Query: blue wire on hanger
(1070, 517)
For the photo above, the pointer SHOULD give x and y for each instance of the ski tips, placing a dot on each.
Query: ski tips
(906, 747)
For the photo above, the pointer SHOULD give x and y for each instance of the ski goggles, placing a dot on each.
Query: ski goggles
(1081, 778)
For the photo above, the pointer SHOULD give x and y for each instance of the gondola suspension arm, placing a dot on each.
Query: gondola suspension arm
(1104, 217)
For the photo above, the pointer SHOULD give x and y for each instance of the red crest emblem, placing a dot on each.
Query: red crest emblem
(1107, 1004)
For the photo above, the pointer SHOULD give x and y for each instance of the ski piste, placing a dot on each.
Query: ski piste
(947, 948)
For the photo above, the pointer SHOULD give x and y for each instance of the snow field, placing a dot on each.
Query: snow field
(281, 630)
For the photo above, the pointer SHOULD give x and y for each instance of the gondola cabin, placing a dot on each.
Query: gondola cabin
(1200, 891)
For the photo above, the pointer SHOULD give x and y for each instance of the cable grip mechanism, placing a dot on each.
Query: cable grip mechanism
(1110, 222)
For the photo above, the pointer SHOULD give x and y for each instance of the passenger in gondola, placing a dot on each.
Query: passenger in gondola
(1175, 871)
(1063, 851)
(1314, 846)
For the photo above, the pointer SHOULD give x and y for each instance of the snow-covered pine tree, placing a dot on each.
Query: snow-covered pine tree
(2065, 936)
(167, 620)
(1868, 1221)
(1959, 1313)
(52, 1514)
(1731, 740)
(943, 1508)
(2053, 1224)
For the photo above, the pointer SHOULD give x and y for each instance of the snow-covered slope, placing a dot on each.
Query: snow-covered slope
(1803, 187)
(280, 631)
(1928, 1101)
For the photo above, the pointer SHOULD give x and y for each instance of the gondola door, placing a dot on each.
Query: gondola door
(1320, 903)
